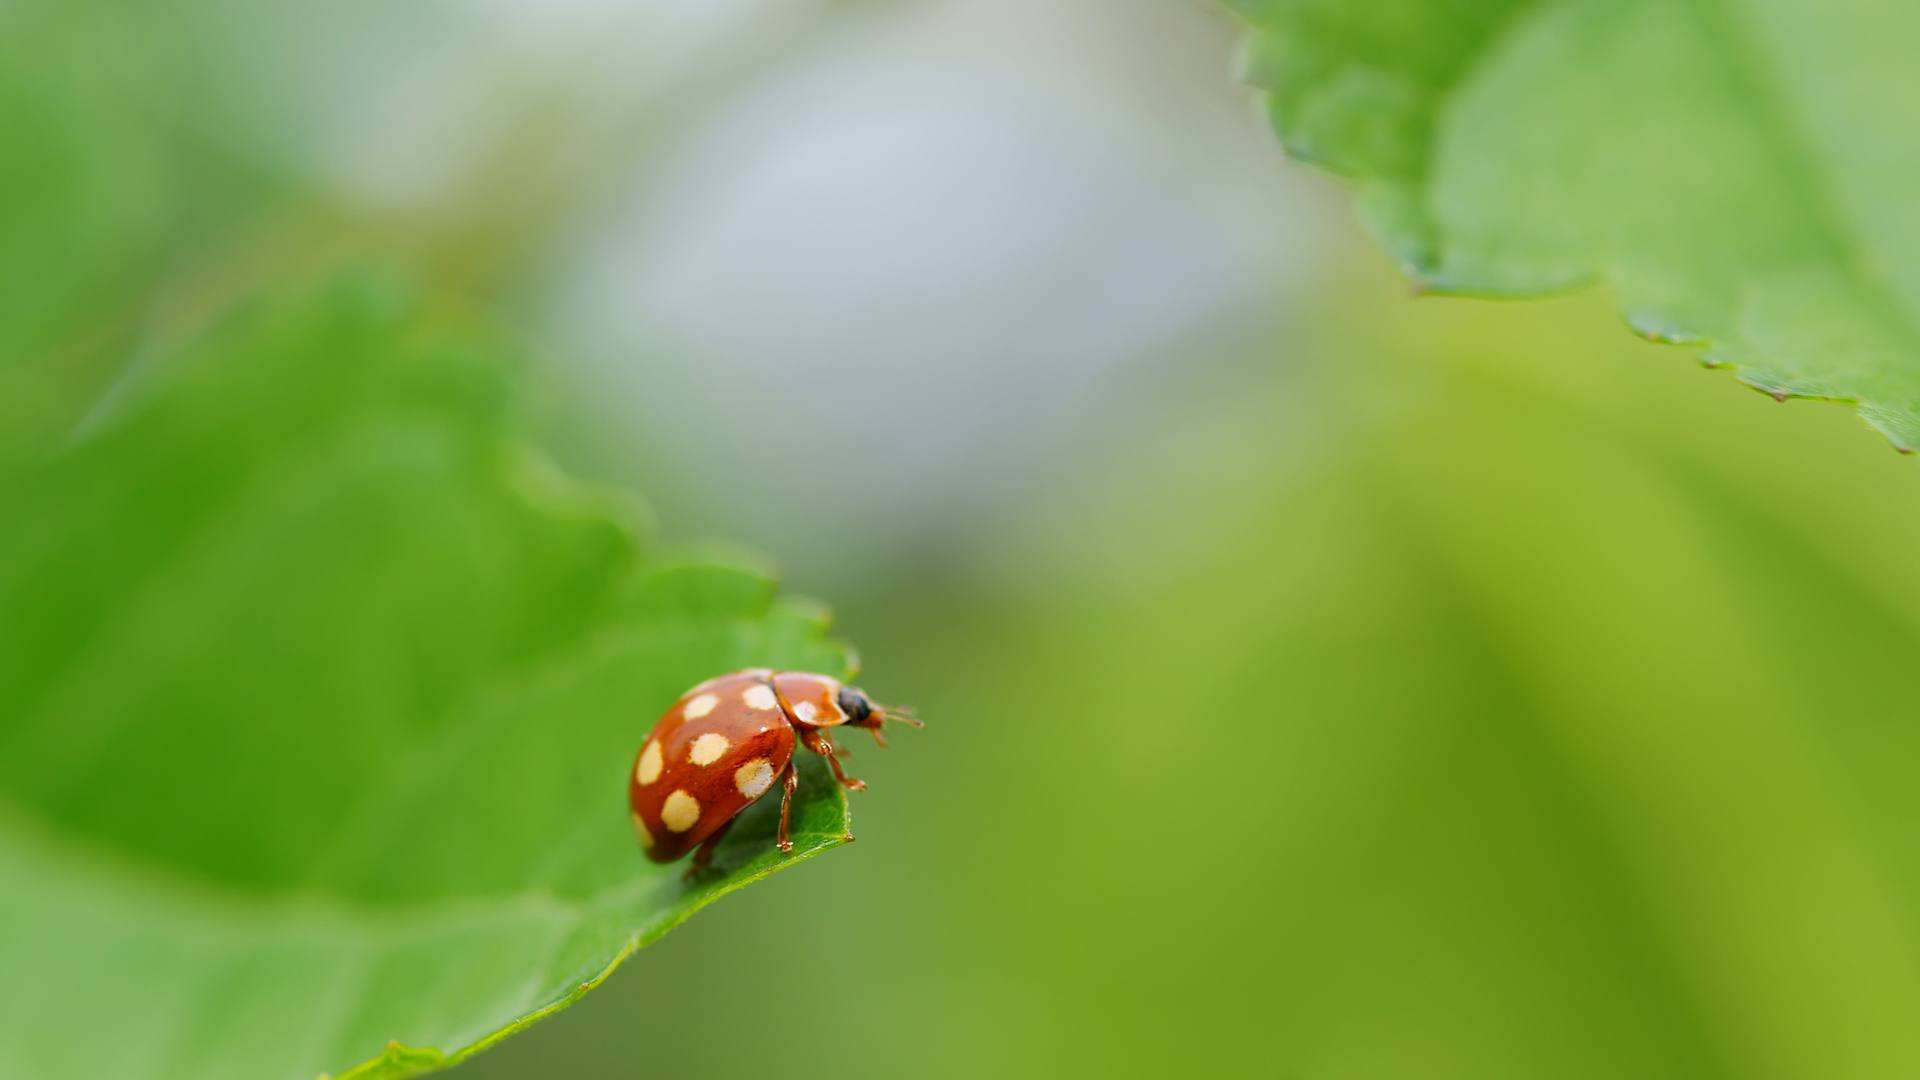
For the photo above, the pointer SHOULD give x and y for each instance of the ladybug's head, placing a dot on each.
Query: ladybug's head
(862, 712)
(855, 703)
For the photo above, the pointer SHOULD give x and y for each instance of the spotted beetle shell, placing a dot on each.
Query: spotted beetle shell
(723, 745)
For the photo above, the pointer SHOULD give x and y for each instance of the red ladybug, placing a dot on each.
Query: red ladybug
(724, 743)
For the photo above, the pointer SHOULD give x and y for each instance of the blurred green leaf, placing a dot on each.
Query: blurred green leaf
(1739, 175)
(1512, 703)
(317, 691)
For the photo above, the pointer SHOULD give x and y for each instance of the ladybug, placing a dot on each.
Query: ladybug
(722, 745)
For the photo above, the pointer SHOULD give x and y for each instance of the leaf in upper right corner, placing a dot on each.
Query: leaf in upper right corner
(1743, 174)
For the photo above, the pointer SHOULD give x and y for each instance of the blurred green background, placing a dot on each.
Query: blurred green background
(1320, 682)
(1480, 693)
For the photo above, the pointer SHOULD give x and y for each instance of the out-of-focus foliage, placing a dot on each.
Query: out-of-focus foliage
(1741, 175)
(87, 188)
(317, 686)
(1496, 699)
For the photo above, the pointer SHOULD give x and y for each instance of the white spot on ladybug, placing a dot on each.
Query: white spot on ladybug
(700, 706)
(754, 778)
(805, 712)
(640, 830)
(649, 768)
(760, 696)
(708, 748)
(680, 811)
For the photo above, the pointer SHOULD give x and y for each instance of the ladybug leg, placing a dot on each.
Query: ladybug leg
(703, 858)
(821, 744)
(846, 781)
(789, 781)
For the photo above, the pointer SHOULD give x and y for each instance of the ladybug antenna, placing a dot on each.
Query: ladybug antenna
(902, 713)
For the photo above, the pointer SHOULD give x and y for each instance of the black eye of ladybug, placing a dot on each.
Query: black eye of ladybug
(854, 704)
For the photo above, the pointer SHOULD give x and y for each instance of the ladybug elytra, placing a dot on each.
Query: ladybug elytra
(724, 744)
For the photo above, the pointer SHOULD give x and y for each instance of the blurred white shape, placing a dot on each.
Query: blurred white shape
(887, 289)
(879, 262)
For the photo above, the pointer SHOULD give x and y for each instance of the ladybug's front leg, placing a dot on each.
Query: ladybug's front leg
(820, 743)
(789, 781)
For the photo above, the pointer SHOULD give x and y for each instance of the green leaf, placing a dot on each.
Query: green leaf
(317, 693)
(1740, 175)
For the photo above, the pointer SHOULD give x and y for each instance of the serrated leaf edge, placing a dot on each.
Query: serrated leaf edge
(1899, 426)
